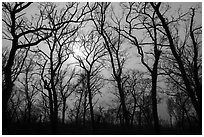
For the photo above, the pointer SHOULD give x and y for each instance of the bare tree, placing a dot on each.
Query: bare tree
(78, 107)
(170, 108)
(44, 102)
(112, 43)
(81, 96)
(91, 62)
(14, 106)
(27, 80)
(17, 65)
(65, 23)
(22, 33)
(132, 80)
(193, 93)
(66, 87)
(138, 86)
(180, 111)
(141, 19)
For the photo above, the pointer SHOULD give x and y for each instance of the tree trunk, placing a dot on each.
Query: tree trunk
(8, 88)
(63, 111)
(195, 62)
(55, 118)
(170, 120)
(51, 109)
(84, 114)
(118, 113)
(122, 100)
(154, 91)
(51, 106)
(29, 111)
(90, 103)
(134, 108)
(154, 104)
(198, 108)
(78, 109)
(27, 97)
(55, 110)
(140, 117)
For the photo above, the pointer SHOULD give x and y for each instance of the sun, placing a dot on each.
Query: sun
(77, 50)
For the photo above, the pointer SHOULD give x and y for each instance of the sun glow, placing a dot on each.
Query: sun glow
(77, 50)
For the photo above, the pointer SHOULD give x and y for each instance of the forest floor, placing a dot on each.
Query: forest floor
(44, 129)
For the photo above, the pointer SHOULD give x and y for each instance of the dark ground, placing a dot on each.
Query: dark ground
(44, 129)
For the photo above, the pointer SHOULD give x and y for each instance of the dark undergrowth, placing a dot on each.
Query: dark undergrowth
(70, 129)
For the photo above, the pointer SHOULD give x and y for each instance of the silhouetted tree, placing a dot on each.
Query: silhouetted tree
(66, 87)
(80, 97)
(57, 57)
(136, 88)
(170, 108)
(26, 81)
(14, 106)
(91, 62)
(65, 23)
(141, 19)
(113, 44)
(22, 33)
(171, 32)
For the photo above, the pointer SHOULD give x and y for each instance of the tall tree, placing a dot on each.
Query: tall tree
(26, 82)
(137, 89)
(66, 88)
(91, 62)
(22, 33)
(82, 90)
(193, 93)
(113, 44)
(65, 23)
(141, 19)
